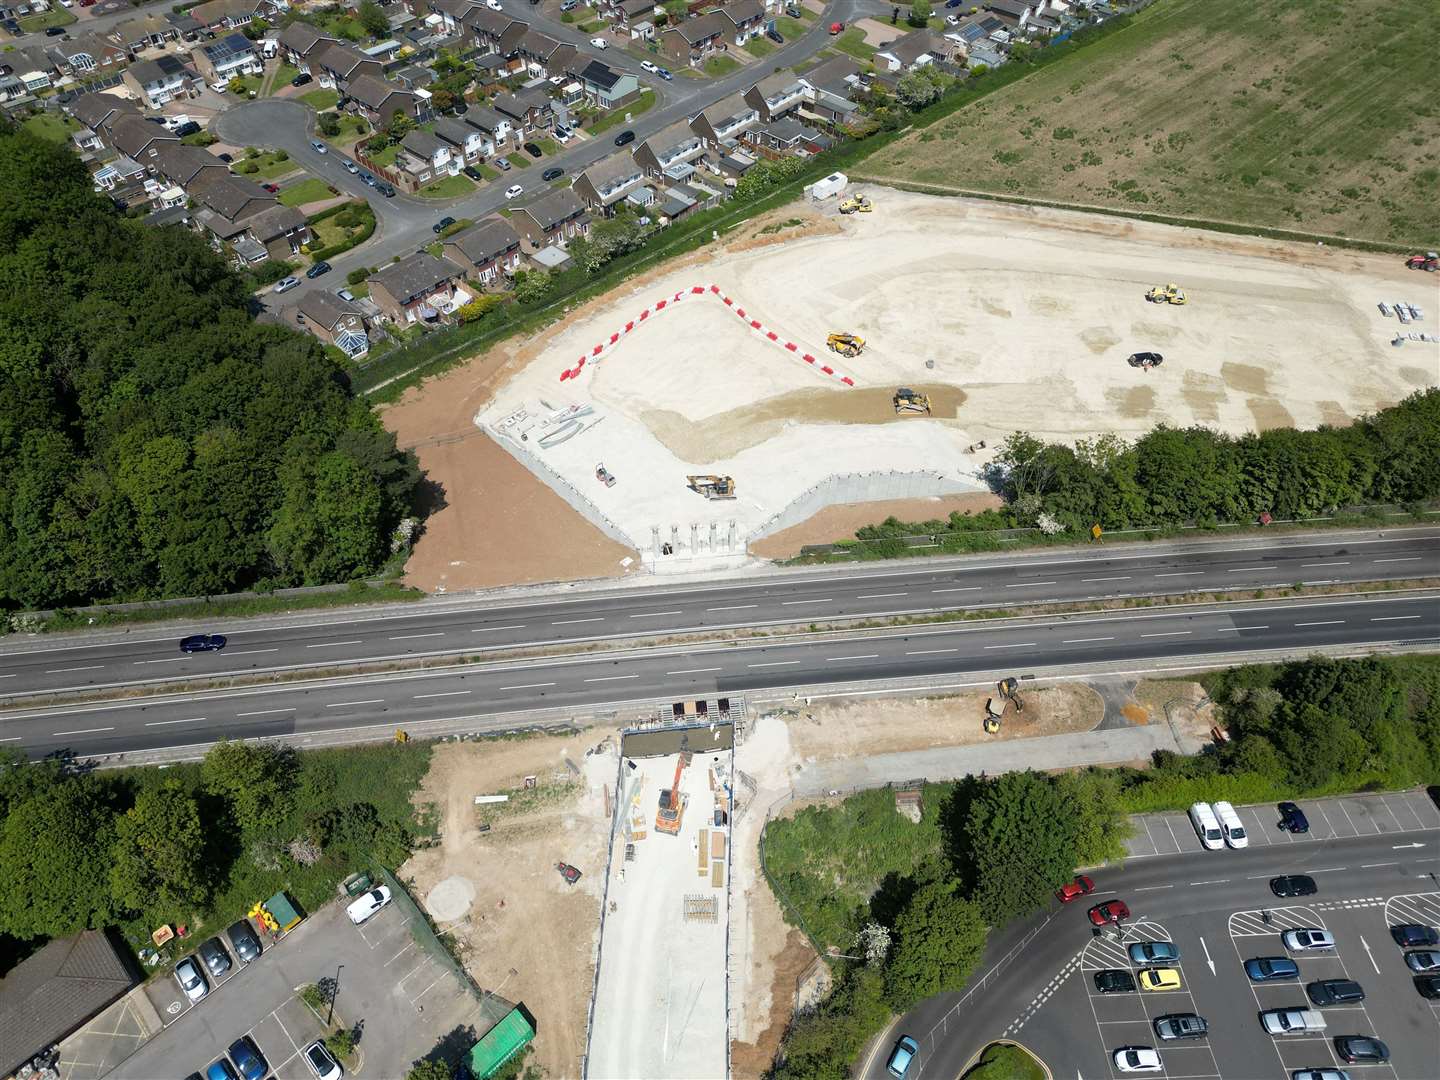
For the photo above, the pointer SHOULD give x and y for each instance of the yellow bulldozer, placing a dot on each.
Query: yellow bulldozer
(712, 487)
(1167, 294)
(845, 344)
(907, 400)
(856, 204)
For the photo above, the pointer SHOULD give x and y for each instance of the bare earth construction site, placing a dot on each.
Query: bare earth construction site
(1008, 318)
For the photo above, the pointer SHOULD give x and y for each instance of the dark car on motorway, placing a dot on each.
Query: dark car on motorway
(1293, 885)
(1365, 1049)
(1414, 935)
(1335, 992)
(217, 960)
(624, 137)
(202, 643)
(1111, 911)
(248, 1059)
(1181, 1026)
(552, 174)
(1271, 968)
(322, 267)
(1114, 981)
(301, 79)
(244, 941)
(1293, 819)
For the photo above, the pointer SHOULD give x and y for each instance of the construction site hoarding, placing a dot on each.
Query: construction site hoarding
(699, 738)
(501, 1043)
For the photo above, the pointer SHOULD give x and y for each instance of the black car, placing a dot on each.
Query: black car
(190, 127)
(12, 26)
(533, 150)
(1293, 885)
(54, 31)
(244, 941)
(226, 158)
(386, 189)
(473, 173)
(624, 137)
(1336, 992)
(319, 268)
(1361, 1048)
(1428, 986)
(300, 80)
(1114, 981)
(441, 225)
(202, 643)
(552, 174)
(1293, 819)
(217, 960)
(774, 35)
(1414, 935)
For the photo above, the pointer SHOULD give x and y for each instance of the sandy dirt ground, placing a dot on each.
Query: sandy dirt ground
(840, 522)
(523, 915)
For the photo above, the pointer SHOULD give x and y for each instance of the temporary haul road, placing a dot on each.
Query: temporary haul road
(595, 681)
(148, 655)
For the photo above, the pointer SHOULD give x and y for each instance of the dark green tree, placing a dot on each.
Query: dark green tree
(54, 861)
(372, 18)
(431, 1069)
(157, 861)
(257, 780)
(1021, 836)
(939, 938)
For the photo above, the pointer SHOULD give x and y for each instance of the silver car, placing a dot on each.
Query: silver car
(188, 975)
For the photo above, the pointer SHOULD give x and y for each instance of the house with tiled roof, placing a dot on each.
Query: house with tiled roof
(420, 288)
(488, 249)
(552, 220)
(694, 40)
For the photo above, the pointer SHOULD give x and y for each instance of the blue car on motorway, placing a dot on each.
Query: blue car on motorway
(202, 643)
(901, 1057)
(1271, 968)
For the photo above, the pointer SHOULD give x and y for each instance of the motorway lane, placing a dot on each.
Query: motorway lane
(876, 590)
(1200, 890)
(592, 681)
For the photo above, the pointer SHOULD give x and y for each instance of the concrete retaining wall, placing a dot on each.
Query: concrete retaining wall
(861, 488)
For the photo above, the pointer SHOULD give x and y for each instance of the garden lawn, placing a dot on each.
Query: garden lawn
(352, 129)
(720, 66)
(1002, 1061)
(519, 159)
(321, 99)
(51, 126)
(852, 42)
(308, 190)
(616, 117)
(548, 147)
(1257, 112)
(386, 158)
(486, 171)
(790, 28)
(760, 46)
(452, 187)
(56, 16)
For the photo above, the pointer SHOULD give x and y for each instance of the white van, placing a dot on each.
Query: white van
(1230, 823)
(1207, 826)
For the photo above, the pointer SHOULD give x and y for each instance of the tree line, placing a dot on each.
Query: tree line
(155, 440)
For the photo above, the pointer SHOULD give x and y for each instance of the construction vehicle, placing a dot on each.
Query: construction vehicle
(1167, 294)
(1010, 692)
(570, 873)
(856, 204)
(712, 487)
(907, 400)
(1145, 360)
(845, 344)
(604, 475)
(1429, 261)
(673, 801)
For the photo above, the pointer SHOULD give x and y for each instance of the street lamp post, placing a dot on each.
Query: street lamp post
(334, 993)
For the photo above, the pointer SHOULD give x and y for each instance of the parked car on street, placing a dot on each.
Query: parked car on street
(352, 168)
(1081, 886)
(599, 43)
(206, 642)
(1111, 911)
(901, 1057)
(1293, 819)
(624, 137)
(514, 191)
(320, 147)
(322, 267)
(274, 189)
(552, 174)
(650, 66)
(441, 225)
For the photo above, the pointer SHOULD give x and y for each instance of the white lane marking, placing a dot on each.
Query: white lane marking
(967, 588)
(331, 644)
(1152, 888)
(59, 670)
(367, 701)
(1249, 569)
(1237, 629)
(821, 600)
(407, 637)
(927, 652)
(83, 731)
(171, 660)
(264, 712)
(1412, 558)
(732, 607)
(10, 738)
(693, 670)
(250, 652)
(1326, 622)
(527, 686)
(447, 693)
(1028, 584)
(1329, 869)
(655, 614)
(1078, 640)
(878, 595)
(863, 656)
(1170, 633)
(1393, 618)
(7, 676)
(1212, 881)
(614, 678)
(1338, 562)
(493, 629)
(1117, 577)
(569, 622)
(1183, 573)
(775, 663)
(1017, 645)
(163, 723)
(1373, 865)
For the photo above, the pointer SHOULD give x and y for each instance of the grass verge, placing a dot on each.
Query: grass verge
(616, 117)
(1005, 1061)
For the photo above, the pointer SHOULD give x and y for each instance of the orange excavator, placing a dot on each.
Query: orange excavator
(672, 801)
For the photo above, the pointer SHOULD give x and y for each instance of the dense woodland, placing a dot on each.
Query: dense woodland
(154, 439)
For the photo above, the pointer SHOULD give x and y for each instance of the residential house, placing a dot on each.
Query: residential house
(161, 80)
(486, 250)
(426, 158)
(412, 76)
(450, 14)
(235, 198)
(339, 65)
(554, 219)
(142, 32)
(95, 113)
(828, 87)
(186, 26)
(985, 54)
(11, 88)
(299, 41)
(492, 127)
(494, 31)
(138, 138)
(609, 180)
(418, 288)
(123, 179)
(527, 110)
(672, 145)
(787, 137)
(915, 50)
(747, 19)
(57, 990)
(605, 87)
(334, 321)
(543, 55)
(1020, 11)
(32, 65)
(188, 167)
(467, 144)
(694, 40)
(626, 15)
(88, 55)
(838, 75)
(280, 230)
(220, 15)
(377, 101)
(725, 120)
(227, 58)
(776, 95)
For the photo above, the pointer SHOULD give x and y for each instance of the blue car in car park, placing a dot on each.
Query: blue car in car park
(1271, 968)
(248, 1059)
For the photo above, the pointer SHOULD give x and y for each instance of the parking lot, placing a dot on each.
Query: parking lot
(1353, 815)
(1076, 1029)
(402, 1002)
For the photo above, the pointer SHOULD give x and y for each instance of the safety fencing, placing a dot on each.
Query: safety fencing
(598, 351)
(861, 488)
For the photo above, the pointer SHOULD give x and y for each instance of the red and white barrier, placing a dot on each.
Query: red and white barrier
(598, 352)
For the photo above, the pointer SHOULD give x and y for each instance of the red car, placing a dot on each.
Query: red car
(274, 189)
(836, 27)
(1081, 886)
(1112, 911)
